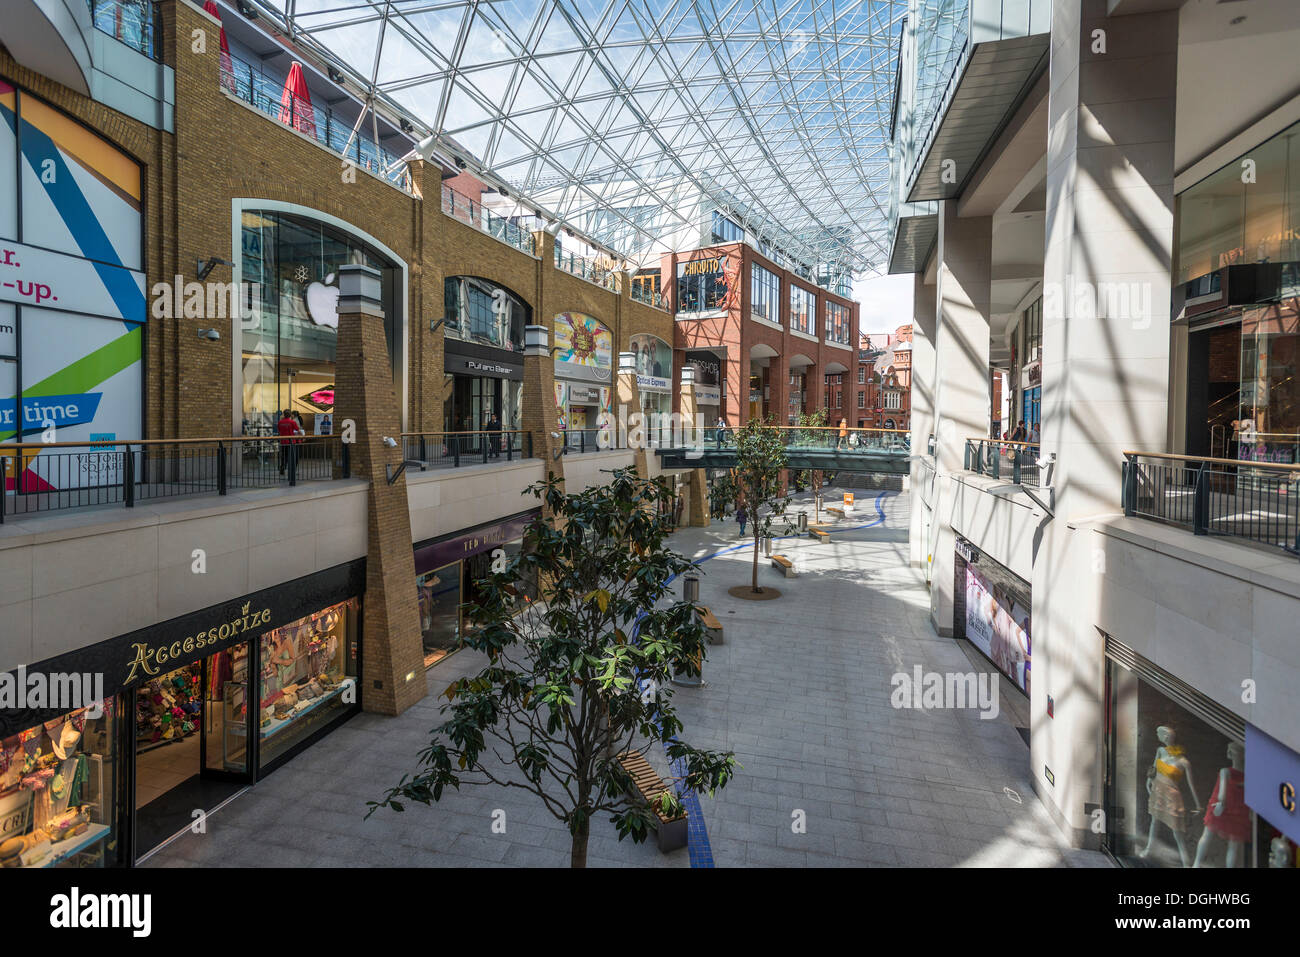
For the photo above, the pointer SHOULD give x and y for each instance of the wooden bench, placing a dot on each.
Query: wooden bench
(671, 832)
(820, 532)
(710, 623)
(784, 566)
(836, 511)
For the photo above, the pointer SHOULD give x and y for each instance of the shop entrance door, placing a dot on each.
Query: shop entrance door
(191, 745)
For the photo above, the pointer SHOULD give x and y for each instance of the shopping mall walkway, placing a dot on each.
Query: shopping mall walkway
(800, 691)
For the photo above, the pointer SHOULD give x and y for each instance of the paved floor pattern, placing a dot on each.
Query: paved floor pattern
(833, 775)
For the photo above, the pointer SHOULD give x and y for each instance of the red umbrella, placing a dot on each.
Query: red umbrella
(295, 103)
(227, 65)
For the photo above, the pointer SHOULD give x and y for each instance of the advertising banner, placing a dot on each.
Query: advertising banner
(1001, 633)
(654, 363)
(72, 294)
(584, 348)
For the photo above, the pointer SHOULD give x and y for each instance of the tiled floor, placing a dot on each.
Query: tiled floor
(800, 691)
(160, 769)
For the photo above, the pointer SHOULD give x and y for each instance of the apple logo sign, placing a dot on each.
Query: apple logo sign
(323, 303)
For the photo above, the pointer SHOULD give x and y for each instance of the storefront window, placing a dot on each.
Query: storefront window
(764, 294)
(997, 617)
(837, 323)
(58, 792)
(483, 312)
(1175, 785)
(290, 267)
(1243, 213)
(803, 306)
(309, 675)
(701, 285)
(439, 593)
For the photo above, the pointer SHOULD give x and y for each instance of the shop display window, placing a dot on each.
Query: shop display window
(438, 593)
(1175, 785)
(58, 792)
(309, 675)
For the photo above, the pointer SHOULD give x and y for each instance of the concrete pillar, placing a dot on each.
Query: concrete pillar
(961, 376)
(1106, 298)
(392, 652)
(922, 418)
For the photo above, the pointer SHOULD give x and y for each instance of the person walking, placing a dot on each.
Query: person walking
(742, 517)
(844, 435)
(720, 433)
(285, 427)
(494, 436)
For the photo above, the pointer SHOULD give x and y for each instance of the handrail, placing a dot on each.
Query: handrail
(470, 432)
(1243, 463)
(985, 438)
(109, 443)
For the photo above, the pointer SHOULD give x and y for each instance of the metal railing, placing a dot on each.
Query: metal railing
(473, 213)
(651, 297)
(589, 269)
(1253, 501)
(61, 475)
(137, 23)
(578, 441)
(448, 450)
(1002, 459)
(802, 438)
(266, 95)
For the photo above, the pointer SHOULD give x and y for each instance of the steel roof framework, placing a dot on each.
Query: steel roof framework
(777, 110)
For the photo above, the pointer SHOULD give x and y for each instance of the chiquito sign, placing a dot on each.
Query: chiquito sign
(149, 661)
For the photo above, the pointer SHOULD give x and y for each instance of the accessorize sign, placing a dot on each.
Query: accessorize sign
(132, 659)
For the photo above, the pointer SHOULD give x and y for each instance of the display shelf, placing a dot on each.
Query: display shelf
(65, 849)
(279, 724)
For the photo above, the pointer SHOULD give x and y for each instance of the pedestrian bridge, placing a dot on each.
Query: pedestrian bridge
(857, 450)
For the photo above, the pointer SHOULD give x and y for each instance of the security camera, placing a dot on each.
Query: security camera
(390, 441)
(212, 335)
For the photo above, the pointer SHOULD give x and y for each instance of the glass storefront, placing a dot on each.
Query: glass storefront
(484, 332)
(1175, 775)
(309, 674)
(290, 264)
(654, 373)
(994, 613)
(59, 792)
(447, 574)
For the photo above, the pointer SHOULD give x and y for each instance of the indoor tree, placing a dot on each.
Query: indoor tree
(580, 676)
(758, 482)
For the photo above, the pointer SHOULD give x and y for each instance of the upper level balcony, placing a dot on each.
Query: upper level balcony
(507, 229)
(593, 270)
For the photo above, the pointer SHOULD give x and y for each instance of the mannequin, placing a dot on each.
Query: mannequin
(1280, 853)
(1226, 817)
(1165, 792)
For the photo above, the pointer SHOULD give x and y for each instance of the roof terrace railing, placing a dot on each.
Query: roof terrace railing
(1254, 501)
(266, 94)
(473, 213)
(589, 269)
(136, 23)
(642, 292)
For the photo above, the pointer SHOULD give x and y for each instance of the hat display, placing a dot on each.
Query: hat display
(66, 740)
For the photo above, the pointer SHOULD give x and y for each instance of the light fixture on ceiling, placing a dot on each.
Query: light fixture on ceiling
(246, 9)
(336, 76)
(460, 163)
(406, 126)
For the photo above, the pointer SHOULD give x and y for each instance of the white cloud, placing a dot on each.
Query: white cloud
(886, 302)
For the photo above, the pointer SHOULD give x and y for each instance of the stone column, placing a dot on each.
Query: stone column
(392, 655)
(922, 418)
(627, 405)
(1106, 301)
(961, 376)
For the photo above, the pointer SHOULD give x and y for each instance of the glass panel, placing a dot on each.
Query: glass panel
(438, 593)
(1175, 792)
(1268, 427)
(58, 792)
(309, 674)
(225, 714)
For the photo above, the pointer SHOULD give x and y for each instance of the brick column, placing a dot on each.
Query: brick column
(392, 662)
(628, 403)
(539, 416)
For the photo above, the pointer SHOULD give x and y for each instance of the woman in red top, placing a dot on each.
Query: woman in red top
(287, 426)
